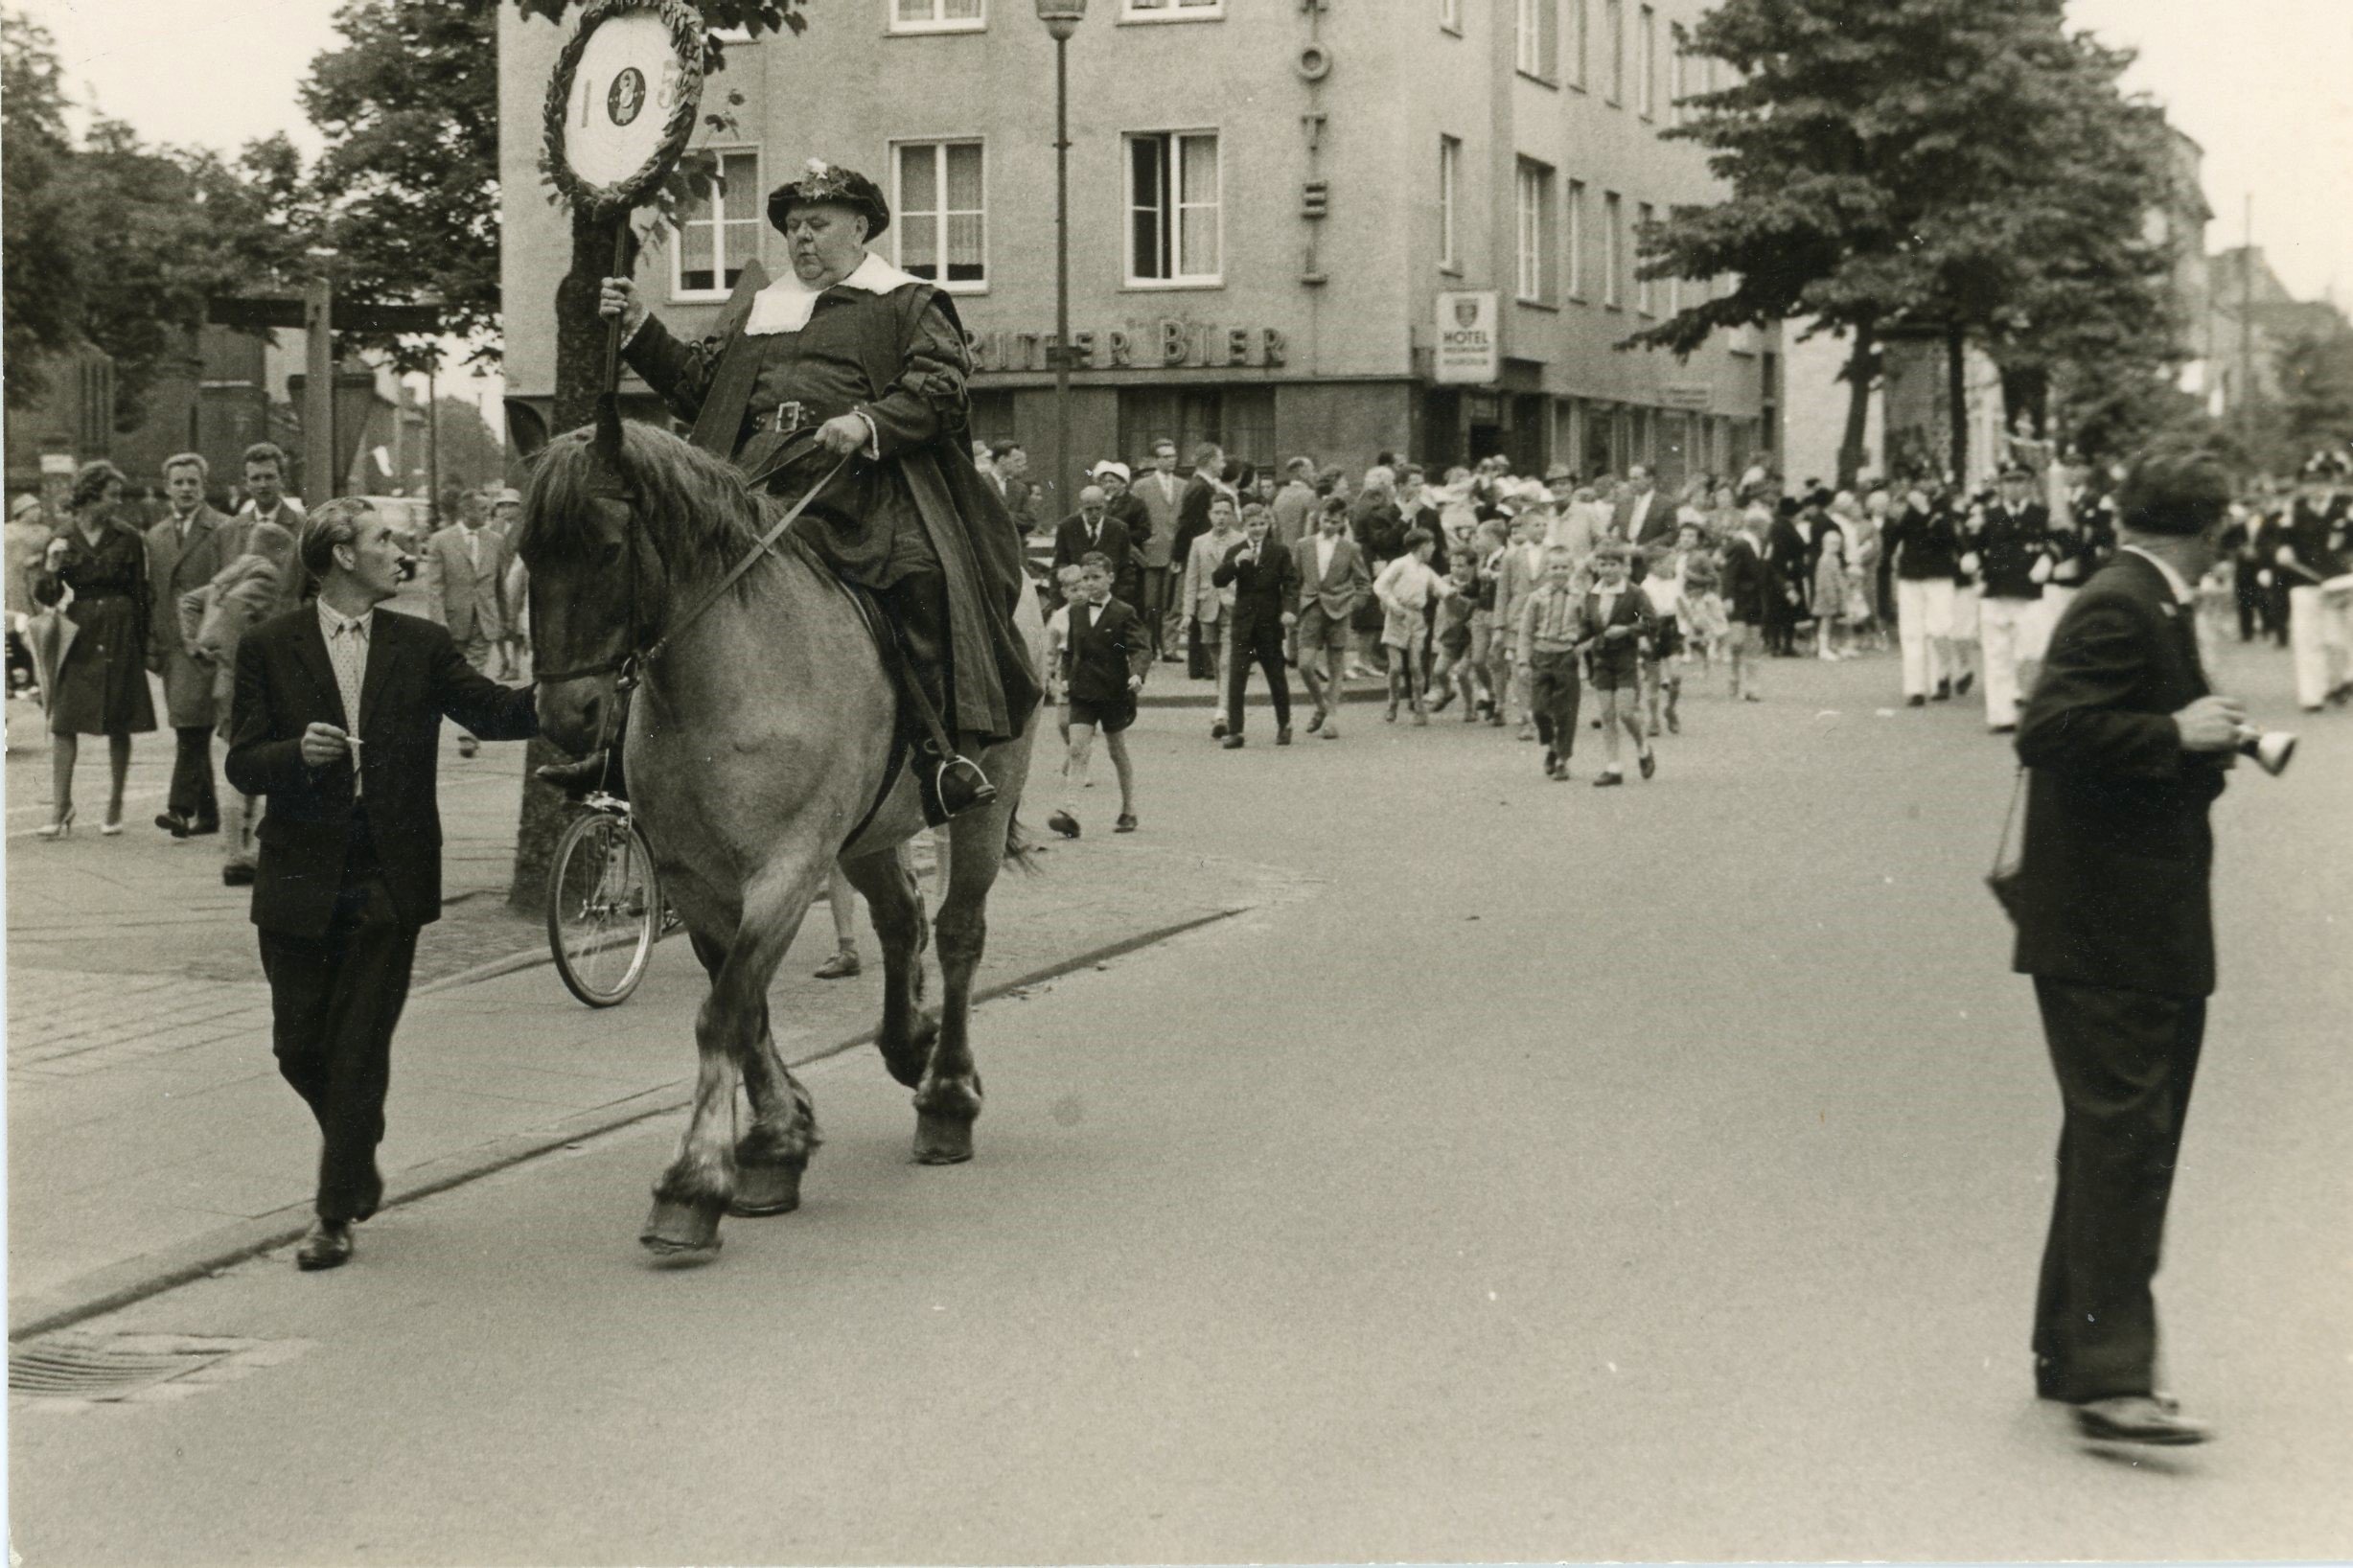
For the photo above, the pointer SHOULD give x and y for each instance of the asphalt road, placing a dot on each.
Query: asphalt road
(1649, 1173)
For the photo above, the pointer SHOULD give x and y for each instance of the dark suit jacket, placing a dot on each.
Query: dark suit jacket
(1747, 582)
(1264, 590)
(1108, 645)
(285, 683)
(1192, 519)
(2008, 544)
(2117, 854)
(1072, 544)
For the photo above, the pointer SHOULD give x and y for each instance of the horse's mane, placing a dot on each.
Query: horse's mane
(694, 505)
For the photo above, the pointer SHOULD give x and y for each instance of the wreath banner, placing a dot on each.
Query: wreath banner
(622, 102)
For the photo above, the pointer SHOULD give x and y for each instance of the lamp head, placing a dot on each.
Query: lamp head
(1062, 16)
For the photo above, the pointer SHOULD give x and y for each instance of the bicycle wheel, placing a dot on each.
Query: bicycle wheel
(604, 909)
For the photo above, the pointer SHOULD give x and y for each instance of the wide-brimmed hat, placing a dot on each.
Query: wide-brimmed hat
(1107, 466)
(830, 185)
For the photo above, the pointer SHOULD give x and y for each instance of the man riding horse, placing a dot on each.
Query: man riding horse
(849, 357)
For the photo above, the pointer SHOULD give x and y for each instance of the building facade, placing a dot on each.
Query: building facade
(1276, 209)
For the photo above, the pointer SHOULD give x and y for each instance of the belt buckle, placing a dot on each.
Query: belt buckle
(790, 416)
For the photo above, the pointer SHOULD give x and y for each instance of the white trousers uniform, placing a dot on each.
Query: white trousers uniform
(2014, 632)
(2320, 642)
(1924, 609)
(1967, 603)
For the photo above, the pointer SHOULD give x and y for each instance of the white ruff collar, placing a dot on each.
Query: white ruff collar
(784, 306)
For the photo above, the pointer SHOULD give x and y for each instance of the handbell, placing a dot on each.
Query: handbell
(2270, 749)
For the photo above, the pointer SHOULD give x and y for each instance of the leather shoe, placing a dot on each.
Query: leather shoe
(1231, 743)
(2138, 1417)
(962, 786)
(1064, 823)
(173, 824)
(842, 965)
(327, 1246)
(237, 876)
(1282, 735)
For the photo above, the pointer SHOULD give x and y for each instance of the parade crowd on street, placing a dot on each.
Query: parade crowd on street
(1532, 603)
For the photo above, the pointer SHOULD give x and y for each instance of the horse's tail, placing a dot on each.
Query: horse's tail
(1021, 851)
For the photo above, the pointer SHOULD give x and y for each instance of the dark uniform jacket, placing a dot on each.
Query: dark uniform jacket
(1263, 589)
(2114, 873)
(2009, 546)
(1923, 543)
(414, 676)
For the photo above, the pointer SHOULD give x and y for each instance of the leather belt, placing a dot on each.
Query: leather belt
(786, 418)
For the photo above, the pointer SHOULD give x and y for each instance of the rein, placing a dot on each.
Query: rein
(629, 665)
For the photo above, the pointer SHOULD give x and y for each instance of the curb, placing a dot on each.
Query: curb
(120, 1284)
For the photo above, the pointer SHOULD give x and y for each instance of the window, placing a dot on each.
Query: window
(1579, 29)
(1172, 11)
(1449, 181)
(1613, 244)
(718, 233)
(1539, 46)
(1535, 203)
(938, 213)
(1240, 419)
(1613, 23)
(1643, 300)
(938, 15)
(1577, 239)
(1450, 14)
(1676, 63)
(1173, 209)
(1646, 62)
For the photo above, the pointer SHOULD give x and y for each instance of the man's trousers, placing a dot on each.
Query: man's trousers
(1924, 613)
(192, 794)
(1553, 693)
(2125, 1062)
(2319, 643)
(1262, 645)
(2016, 632)
(333, 1001)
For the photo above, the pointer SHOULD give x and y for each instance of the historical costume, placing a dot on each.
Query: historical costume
(910, 519)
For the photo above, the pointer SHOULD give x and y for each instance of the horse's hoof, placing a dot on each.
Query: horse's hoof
(942, 1140)
(686, 1232)
(765, 1189)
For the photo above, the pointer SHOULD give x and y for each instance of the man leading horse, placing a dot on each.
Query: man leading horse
(849, 359)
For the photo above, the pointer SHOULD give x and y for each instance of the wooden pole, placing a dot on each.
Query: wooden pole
(318, 477)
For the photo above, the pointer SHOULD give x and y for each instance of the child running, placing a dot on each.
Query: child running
(1455, 672)
(1405, 587)
(1614, 622)
(1544, 647)
(1663, 586)
(1108, 653)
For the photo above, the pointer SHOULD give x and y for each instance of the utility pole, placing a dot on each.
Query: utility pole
(432, 438)
(318, 485)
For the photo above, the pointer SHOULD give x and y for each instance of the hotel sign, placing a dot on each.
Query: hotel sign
(1470, 340)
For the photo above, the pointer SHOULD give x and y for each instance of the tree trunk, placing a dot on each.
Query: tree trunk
(1956, 396)
(580, 370)
(1861, 375)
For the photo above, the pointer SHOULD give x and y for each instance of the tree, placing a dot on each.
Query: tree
(1866, 144)
(2315, 387)
(408, 107)
(580, 350)
(472, 456)
(41, 249)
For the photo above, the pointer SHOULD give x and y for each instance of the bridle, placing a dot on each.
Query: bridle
(627, 666)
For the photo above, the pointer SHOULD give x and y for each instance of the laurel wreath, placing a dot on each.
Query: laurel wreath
(686, 34)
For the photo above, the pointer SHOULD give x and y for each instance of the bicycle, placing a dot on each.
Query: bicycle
(604, 909)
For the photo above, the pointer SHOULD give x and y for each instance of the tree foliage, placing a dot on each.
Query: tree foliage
(1897, 165)
(42, 245)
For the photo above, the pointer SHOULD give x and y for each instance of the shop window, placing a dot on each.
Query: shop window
(1239, 419)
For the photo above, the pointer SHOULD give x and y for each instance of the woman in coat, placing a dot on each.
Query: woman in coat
(101, 682)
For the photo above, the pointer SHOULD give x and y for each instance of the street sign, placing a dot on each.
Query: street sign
(622, 102)
(1469, 343)
(1696, 395)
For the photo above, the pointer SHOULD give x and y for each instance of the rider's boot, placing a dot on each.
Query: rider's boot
(917, 611)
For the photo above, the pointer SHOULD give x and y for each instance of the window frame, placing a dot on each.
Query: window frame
(893, 26)
(1172, 212)
(1535, 227)
(1646, 62)
(680, 294)
(1163, 12)
(1545, 67)
(1646, 296)
(1613, 243)
(1450, 17)
(1572, 266)
(899, 208)
(1449, 202)
(1577, 37)
(1613, 19)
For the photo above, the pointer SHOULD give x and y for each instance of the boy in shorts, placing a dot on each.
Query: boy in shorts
(1615, 622)
(1057, 644)
(1107, 652)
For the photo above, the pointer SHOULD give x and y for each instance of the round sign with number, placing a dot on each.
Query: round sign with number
(622, 104)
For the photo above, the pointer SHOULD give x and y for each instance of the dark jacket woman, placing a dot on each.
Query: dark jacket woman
(102, 686)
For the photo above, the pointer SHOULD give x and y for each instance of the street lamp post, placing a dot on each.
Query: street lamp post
(1062, 19)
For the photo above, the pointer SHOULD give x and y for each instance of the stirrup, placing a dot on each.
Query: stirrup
(959, 784)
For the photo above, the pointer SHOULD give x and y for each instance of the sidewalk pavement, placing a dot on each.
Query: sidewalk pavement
(150, 1138)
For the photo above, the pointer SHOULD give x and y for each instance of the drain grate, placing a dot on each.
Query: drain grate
(123, 1367)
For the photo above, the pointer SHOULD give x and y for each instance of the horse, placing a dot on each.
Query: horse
(759, 736)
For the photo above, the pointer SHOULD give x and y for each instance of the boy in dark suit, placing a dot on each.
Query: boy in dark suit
(1612, 627)
(2127, 747)
(337, 719)
(1265, 581)
(1108, 653)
